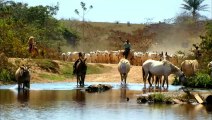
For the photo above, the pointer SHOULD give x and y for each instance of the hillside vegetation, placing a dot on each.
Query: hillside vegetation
(154, 37)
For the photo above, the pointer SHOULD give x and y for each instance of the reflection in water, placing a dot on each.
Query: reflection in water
(23, 96)
(79, 96)
(156, 89)
(78, 104)
(123, 96)
(209, 108)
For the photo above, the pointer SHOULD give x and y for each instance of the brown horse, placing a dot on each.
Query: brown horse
(81, 69)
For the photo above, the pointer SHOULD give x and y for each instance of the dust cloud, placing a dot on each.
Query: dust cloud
(174, 39)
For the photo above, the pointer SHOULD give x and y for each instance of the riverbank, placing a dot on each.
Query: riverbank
(45, 71)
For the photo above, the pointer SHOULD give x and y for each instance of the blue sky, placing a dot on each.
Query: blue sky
(133, 11)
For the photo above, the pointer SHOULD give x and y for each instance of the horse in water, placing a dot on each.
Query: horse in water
(81, 69)
(123, 68)
(160, 68)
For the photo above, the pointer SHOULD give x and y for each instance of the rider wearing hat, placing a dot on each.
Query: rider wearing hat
(81, 57)
(31, 43)
(127, 47)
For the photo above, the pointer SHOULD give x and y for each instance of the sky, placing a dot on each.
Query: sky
(123, 11)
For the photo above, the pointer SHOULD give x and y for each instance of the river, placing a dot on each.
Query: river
(64, 101)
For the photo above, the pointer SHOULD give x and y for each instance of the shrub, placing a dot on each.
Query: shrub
(5, 75)
(48, 65)
(200, 80)
(176, 81)
(7, 70)
(157, 98)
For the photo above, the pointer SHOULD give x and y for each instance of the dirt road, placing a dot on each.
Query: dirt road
(134, 76)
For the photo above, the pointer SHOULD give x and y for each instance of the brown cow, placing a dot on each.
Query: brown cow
(189, 67)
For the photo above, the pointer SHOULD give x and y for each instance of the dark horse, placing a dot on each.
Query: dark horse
(81, 69)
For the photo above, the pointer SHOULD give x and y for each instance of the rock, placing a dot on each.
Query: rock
(209, 99)
(98, 88)
(142, 99)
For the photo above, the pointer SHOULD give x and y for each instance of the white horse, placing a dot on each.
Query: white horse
(123, 68)
(160, 68)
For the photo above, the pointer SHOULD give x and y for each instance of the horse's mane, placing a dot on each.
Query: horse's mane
(173, 67)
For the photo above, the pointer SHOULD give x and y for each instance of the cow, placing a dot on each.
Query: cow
(210, 68)
(123, 68)
(22, 76)
(189, 67)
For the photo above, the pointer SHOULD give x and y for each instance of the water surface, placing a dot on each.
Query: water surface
(64, 101)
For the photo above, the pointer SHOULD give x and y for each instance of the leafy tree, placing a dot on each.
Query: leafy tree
(18, 22)
(194, 6)
(85, 11)
(206, 43)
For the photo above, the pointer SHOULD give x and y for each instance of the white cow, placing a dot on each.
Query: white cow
(123, 68)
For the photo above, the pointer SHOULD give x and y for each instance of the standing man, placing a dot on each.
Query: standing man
(127, 47)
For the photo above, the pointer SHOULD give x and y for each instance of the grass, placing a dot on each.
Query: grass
(97, 69)
(157, 98)
(66, 69)
(163, 98)
(199, 80)
(53, 70)
(48, 65)
(52, 77)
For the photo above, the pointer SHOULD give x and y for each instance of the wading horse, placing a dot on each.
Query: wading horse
(160, 68)
(81, 69)
(123, 68)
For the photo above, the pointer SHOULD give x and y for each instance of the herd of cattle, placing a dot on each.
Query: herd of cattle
(113, 57)
(189, 67)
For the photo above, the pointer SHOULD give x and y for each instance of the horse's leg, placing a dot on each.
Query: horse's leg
(19, 86)
(83, 79)
(121, 78)
(144, 76)
(144, 79)
(77, 80)
(165, 80)
(28, 84)
(24, 84)
(149, 78)
(80, 80)
(125, 79)
(153, 79)
(160, 81)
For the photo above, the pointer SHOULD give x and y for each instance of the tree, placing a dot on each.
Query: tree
(84, 12)
(194, 6)
(18, 21)
(84, 9)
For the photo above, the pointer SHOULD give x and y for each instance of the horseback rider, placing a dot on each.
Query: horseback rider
(31, 43)
(81, 57)
(127, 47)
(197, 52)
